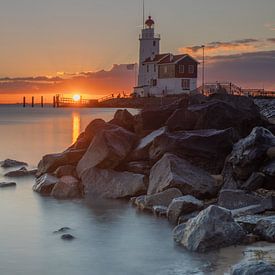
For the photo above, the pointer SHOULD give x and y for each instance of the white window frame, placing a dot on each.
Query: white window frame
(191, 69)
(181, 68)
(185, 84)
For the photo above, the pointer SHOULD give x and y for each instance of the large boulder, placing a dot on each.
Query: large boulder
(108, 149)
(137, 167)
(213, 228)
(249, 154)
(207, 149)
(141, 152)
(234, 199)
(51, 162)
(160, 199)
(45, 184)
(67, 187)
(265, 228)
(124, 119)
(112, 184)
(217, 114)
(173, 172)
(253, 268)
(181, 206)
(65, 170)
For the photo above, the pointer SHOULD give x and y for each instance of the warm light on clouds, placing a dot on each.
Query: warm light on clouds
(270, 26)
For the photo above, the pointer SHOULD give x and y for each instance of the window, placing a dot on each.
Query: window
(181, 69)
(165, 69)
(155, 68)
(154, 82)
(191, 69)
(154, 43)
(147, 68)
(185, 83)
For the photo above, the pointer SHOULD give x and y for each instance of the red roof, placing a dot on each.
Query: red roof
(156, 59)
(167, 58)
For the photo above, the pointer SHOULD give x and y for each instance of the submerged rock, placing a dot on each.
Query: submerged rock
(101, 183)
(67, 187)
(174, 172)
(206, 149)
(21, 173)
(9, 163)
(67, 237)
(181, 206)
(253, 268)
(62, 230)
(107, 150)
(213, 228)
(45, 184)
(7, 184)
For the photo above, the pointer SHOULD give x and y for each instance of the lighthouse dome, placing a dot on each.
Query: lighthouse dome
(150, 22)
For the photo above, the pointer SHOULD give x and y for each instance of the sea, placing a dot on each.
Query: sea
(111, 237)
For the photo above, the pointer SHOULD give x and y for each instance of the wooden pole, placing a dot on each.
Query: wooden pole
(42, 102)
(54, 101)
(24, 101)
(32, 101)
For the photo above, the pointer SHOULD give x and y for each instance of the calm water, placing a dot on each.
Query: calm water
(111, 237)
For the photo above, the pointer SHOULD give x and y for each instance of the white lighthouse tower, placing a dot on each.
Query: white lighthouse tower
(149, 48)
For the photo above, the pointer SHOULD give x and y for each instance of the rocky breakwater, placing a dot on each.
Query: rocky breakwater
(206, 163)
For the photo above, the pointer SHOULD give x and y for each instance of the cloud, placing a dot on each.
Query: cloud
(217, 47)
(272, 40)
(270, 26)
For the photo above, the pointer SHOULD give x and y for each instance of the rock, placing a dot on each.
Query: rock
(67, 237)
(269, 202)
(234, 199)
(141, 152)
(253, 268)
(51, 162)
(186, 217)
(67, 187)
(160, 211)
(140, 203)
(248, 222)
(248, 210)
(265, 228)
(21, 173)
(112, 184)
(65, 170)
(95, 127)
(250, 239)
(107, 150)
(174, 172)
(9, 163)
(137, 167)
(160, 199)
(206, 149)
(124, 119)
(213, 228)
(254, 182)
(216, 114)
(62, 230)
(268, 170)
(7, 184)
(82, 142)
(249, 153)
(45, 183)
(182, 205)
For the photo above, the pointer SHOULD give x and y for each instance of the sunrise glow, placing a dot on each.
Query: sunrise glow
(76, 97)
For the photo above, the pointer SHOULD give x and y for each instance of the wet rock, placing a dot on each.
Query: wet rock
(250, 153)
(9, 163)
(248, 210)
(250, 239)
(206, 149)
(160, 211)
(67, 187)
(141, 152)
(66, 170)
(140, 203)
(124, 119)
(137, 167)
(234, 199)
(265, 228)
(253, 268)
(186, 217)
(163, 198)
(62, 230)
(51, 162)
(174, 172)
(45, 183)
(249, 222)
(7, 184)
(67, 237)
(21, 173)
(213, 228)
(254, 182)
(181, 206)
(112, 184)
(107, 150)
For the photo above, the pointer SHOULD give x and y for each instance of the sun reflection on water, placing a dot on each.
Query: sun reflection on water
(76, 126)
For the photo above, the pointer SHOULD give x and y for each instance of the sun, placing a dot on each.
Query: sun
(76, 97)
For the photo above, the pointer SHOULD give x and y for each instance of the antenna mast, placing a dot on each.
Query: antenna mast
(143, 23)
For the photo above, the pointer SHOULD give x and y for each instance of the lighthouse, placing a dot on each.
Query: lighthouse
(149, 48)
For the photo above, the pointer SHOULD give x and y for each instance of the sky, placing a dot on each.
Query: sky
(52, 46)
